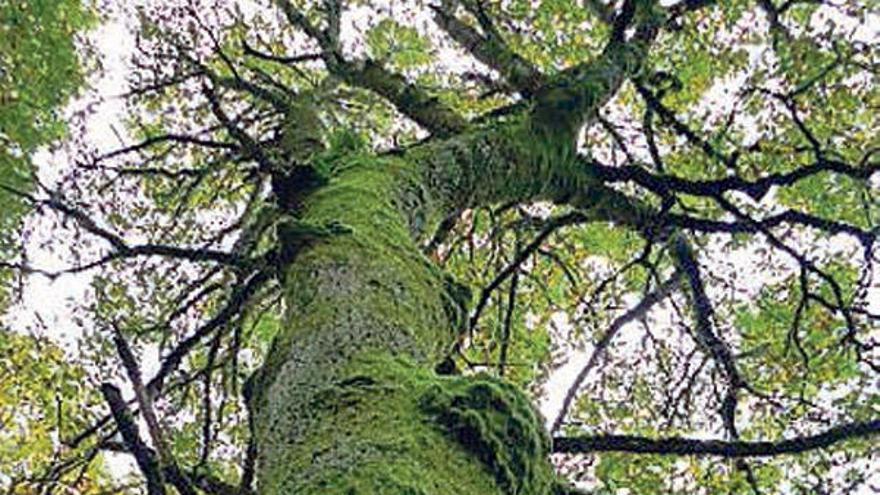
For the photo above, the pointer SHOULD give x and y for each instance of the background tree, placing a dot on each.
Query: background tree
(358, 257)
(42, 65)
(40, 69)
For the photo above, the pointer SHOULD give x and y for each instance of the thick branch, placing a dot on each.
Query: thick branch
(756, 189)
(736, 449)
(752, 226)
(574, 96)
(409, 99)
(703, 311)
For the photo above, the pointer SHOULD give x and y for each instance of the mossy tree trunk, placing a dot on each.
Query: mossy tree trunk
(348, 400)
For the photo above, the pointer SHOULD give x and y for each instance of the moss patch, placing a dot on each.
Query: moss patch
(392, 427)
(346, 401)
(495, 421)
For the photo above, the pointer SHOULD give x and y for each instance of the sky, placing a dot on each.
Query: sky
(46, 304)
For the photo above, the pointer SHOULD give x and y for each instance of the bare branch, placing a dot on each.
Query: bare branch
(490, 49)
(756, 189)
(235, 304)
(705, 336)
(166, 138)
(669, 118)
(144, 400)
(638, 311)
(530, 248)
(735, 449)
(145, 458)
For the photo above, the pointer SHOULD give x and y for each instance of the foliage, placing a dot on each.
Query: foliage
(40, 70)
(42, 401)
(43, 396)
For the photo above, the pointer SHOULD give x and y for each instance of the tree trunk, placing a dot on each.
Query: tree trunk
(348, 400)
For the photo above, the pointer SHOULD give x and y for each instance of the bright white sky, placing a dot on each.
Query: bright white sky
(46, 304)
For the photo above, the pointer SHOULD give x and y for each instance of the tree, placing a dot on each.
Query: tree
(387, 243)
(41, 68)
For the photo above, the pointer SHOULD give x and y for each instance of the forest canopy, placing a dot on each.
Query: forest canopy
(315, 237)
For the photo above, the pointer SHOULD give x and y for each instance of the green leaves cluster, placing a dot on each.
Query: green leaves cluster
(40, 69)
(44, 400)
(402, 46)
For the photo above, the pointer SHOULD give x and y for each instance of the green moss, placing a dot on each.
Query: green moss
(523, 158)
(302, 129)
(347, 401)
(495, 421)
(295, 234)
(391, 427)
(456, 302)
(364, 196)
(363, 290)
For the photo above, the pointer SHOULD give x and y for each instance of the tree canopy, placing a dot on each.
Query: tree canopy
(675, 200)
